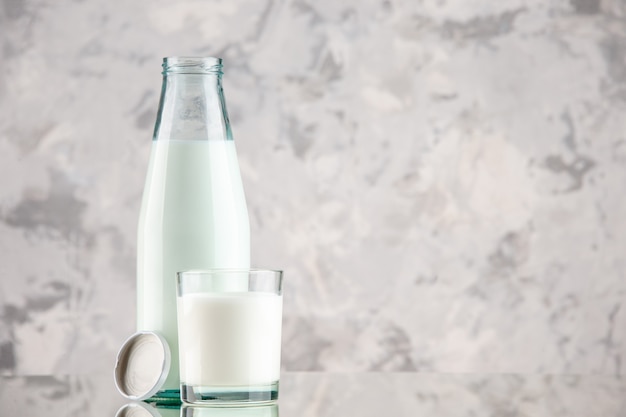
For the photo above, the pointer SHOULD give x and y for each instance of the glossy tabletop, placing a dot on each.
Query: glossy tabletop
(357, 394)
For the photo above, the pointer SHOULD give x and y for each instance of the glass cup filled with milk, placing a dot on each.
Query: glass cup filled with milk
(229, 333)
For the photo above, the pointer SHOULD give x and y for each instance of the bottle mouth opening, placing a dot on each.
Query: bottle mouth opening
(192, 65)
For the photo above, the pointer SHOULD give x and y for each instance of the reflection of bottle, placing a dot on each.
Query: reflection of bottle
(193, 213)
(259, 411)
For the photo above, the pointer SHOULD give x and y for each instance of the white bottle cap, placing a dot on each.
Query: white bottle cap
(142, 365)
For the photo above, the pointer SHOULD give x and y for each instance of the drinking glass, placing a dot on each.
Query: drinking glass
(229, 332)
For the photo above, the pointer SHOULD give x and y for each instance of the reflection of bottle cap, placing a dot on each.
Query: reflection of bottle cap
(143, 363)
(137, 410)
(147, 410)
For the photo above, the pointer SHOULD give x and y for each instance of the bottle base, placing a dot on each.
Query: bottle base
(165, 397)
(231, 395)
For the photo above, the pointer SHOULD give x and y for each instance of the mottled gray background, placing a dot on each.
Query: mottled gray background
(443, 181)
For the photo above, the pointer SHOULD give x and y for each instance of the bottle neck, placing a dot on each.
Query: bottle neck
(192, 107)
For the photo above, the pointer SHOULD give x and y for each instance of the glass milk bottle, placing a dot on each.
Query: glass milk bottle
(193, 212)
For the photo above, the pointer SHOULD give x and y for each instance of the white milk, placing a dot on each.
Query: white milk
(230, 338)
(193, 216)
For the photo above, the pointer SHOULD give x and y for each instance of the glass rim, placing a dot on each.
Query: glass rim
(252, 276)
(226, 270)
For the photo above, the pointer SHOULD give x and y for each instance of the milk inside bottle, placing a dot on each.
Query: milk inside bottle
(193, 212)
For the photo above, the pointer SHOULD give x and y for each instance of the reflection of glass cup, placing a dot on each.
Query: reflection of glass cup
(257, 411)
(229, 326)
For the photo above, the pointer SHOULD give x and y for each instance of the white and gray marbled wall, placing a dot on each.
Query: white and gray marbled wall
(443, 181)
